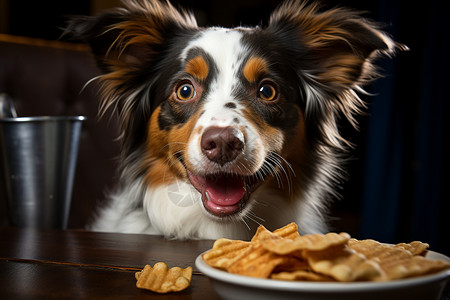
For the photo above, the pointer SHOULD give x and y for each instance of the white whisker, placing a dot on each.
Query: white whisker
(256, 217)
(172, 143)
(172, 163)
(245, 223)
(251, 218)
(275, 166)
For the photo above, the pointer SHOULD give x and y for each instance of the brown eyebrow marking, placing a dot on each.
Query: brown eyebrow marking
(197, 67)
(254, 68)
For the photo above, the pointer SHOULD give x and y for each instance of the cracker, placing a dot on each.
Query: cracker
(343, 264)
(314, 242)
(301, 275)
(290, 231)
(416, 247)
(161, 279)
(292, 264)
(256, 262)
(415, 266)
(398, 261)
(224, 252)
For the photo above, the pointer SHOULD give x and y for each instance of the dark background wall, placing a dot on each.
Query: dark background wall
(398, 184)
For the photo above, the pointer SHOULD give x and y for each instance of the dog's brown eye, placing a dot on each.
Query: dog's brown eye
(185, 91)
(267, 92)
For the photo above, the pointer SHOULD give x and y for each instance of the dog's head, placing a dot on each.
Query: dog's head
(228, 110)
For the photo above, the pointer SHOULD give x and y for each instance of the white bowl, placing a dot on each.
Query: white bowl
(234, 287)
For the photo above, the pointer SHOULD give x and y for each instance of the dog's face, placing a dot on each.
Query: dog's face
(230, 110)
(225, 117)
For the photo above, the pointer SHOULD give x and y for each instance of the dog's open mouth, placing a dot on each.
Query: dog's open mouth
(224, 194)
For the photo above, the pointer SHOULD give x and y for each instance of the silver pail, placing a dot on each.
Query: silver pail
(39, 156)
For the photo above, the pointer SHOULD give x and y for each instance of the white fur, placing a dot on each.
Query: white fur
(185, 218)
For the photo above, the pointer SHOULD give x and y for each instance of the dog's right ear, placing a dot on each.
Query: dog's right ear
(132, 35)
(129, 44)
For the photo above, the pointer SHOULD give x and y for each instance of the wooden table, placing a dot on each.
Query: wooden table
(67, 264)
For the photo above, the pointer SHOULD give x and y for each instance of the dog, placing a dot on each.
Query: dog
(226, 129)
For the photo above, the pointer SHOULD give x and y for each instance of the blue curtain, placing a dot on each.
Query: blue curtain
(406, 188)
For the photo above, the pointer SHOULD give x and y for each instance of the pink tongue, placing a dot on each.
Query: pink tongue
(224, 190)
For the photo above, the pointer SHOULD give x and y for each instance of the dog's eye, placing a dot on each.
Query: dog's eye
(267, 92)
(185, 91)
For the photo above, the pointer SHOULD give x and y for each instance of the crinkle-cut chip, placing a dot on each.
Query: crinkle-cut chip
(289, 231)
(415, 266)
(292, 264)
(318, 242)
(381, 253)
(162, 280)
(301, 275)
(224, 252)
(343, 264)
(258, 232)
(313, 242)
(256, 262)
(416, 247)
(398, 261)
(373, 248)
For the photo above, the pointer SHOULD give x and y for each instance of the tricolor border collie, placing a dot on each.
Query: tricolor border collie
(224, 129)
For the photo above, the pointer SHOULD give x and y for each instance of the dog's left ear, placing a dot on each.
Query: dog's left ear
(339, 43)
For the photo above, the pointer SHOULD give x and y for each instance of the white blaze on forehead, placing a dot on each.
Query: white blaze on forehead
(224, 45)
(225, 48)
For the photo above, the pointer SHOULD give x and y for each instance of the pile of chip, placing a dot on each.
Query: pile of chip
(285, 255)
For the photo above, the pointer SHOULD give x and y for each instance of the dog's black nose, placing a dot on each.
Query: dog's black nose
(222, 144)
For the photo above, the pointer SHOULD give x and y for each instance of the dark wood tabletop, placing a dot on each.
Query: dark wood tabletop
(70, 264)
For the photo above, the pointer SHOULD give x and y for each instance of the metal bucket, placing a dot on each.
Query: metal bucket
(39, 156)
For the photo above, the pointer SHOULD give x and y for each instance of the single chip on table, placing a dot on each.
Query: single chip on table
(161, 279)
